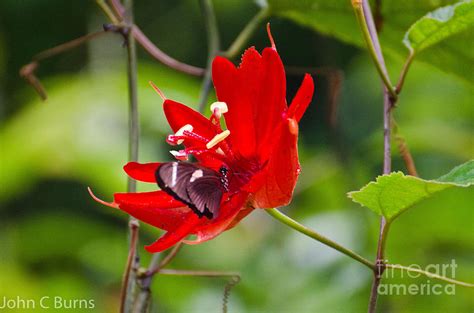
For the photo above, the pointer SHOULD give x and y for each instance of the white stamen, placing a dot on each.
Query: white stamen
(197, 174)
(174, 174)
(180, 132)
(218, 138)
(219, 108)
(179, 155)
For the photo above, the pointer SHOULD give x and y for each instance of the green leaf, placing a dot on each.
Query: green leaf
(439, 25)
(462, 175)
(392, 194)
(336, 18)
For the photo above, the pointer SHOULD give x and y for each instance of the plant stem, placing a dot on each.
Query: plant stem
(366, 22)
(133, 95)
(128, 280)
(153, 50)
(311, 233)
(67, 46)
(107, 11)
(132, 260)
(404, 72)
(153, 268)
(143, 298)
(370, 35)
(213, 46)
(198, 273)
(429, 274)
(162, 57)
(404, 150)
(241, 40)
(235, 279)
(28, 71)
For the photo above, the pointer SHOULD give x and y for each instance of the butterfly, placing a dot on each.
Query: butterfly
(199, 187)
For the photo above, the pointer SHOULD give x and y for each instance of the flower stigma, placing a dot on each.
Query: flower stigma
(218, 108)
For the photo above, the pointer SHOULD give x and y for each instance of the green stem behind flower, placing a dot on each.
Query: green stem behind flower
(213, 43)
(239, 43)
(361, 18)
(134, 130)
(429, 274)
(311, 233)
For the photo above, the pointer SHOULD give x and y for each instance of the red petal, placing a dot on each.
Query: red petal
(156, 208)
(255, 96)
(173, 237)
(143, 172)
(229, 211)
(179, 115)
(302, 98)
(240, 216)
(282, 169)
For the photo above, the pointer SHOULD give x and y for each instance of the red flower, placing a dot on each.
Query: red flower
(259, 149)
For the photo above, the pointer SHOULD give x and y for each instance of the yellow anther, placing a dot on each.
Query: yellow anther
(218, 138)
(219, 108)
(293, 126)
(180, 132)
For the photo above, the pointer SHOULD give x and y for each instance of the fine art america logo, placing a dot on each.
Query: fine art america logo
(45, 302)
(426, 287)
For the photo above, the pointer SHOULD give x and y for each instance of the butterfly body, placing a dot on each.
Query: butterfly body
(199, 187)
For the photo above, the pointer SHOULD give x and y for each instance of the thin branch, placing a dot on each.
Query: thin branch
(142, 301)
(378, 17)
(404, 150)
(235, 279)
(241, 40)
(169, 257)
(134, 130)
(107, 11)
(174, 272)
(130, 264)
(133, 96)
(311, 233)
(430, 275)
(152, 49)
(28, 71)
(118, 8)
(213, 46)
(369, 31)
(372, 45)
(162, 57)
(67, 46)
(404, 72)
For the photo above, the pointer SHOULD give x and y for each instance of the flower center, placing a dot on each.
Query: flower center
(198, 144)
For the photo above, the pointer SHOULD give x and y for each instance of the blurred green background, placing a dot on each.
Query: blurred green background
(55, 240)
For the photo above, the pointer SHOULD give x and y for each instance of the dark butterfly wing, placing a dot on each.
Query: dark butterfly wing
(206, 194)
(198, 187)
(173, 177)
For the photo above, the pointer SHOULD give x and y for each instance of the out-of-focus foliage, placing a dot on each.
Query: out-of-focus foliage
(335, 18)
(440, 24)
(392, 194)
(55, 240)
